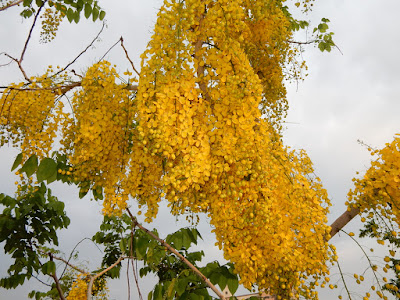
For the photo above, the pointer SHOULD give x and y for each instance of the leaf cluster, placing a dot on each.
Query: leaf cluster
(27, 223)
(70, 8)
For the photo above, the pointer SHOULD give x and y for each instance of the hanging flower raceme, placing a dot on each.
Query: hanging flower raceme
(378, 190)
(27, 119)
(100, 133)
(199, 100)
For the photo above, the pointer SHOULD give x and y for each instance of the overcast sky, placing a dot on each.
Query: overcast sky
(346, 97)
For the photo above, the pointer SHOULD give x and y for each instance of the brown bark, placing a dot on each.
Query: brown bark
(342, 221)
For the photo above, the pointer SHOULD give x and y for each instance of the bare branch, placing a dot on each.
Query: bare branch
(19, 66)
(302, 43)
(127, 56)
(109, 50)
(181, 257)
(66, 262)
(73, 250)
(30, 32)
(58, 286)
(133, 266)
(93, 278)
(80, 54)
(11, 5)
(342, 221)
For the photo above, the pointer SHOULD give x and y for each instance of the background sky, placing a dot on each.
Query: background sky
(348, 96)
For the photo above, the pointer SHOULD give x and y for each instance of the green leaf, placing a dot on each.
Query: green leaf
(141, 247)
(70, 15)
(52, 178)
(39, 3)
(95, 13)
(17, 162)
(122, 245)
(323, 27)
(49, 268)
(77, 16)
(30, 165)
(178, 240)
(88, 10)
(46, 169)
(181, 285)
(79, 5)
(27, 2)
(233, 285)
(102, 15)
(222, 282)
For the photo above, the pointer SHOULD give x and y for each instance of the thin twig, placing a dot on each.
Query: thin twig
(133, 267)
(41, 281)
(73, 250)
(80, 54)
(180, 256)
(11, 5)
(344, 281)
(127, 278)
(109, 50)
(127, 56)
(4, 65)
(367, 257)
(30, 32)
(67, 263)
(302, 43)
(19, 66)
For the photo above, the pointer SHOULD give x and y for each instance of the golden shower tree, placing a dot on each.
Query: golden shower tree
(201, 127)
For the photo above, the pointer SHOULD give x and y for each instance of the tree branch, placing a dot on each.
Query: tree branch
(93, 277)
(181, 257)
(65, 262)
(19, 66)
(302, 43)
(58, 286)
(127, 56)
(11, 5)
(80, 54)
(30, 32)
(342, 221)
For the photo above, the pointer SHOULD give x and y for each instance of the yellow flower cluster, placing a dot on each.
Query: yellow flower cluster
(51, 20)
(379, 190)
(98, 136)
(201, 89)
(79, 289)
(30, 115)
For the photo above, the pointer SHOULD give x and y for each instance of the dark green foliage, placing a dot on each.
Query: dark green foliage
(70, 8)
(28, 222)
(175, 279)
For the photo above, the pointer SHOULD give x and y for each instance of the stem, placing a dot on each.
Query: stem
(369, 261)
(181, 257)
(127, 56)
(344, 281)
